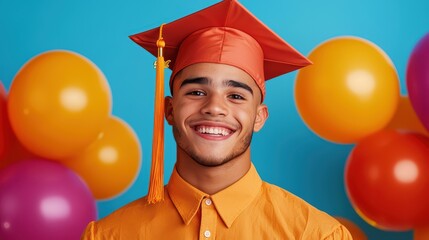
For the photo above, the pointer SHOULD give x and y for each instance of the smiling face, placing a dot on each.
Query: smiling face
(214, 111)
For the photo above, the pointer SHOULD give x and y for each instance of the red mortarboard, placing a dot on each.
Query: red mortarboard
(224, 33)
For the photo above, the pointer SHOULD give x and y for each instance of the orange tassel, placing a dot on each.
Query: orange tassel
(156, 182)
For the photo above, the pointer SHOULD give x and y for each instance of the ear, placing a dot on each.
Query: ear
(168, 109)
(261, 117)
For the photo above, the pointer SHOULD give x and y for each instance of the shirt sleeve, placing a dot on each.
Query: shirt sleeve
(88, 234)
(340, 233)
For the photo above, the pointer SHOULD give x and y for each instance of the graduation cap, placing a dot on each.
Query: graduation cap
(225, 33)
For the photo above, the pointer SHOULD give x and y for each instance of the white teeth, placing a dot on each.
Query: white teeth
(213, 130)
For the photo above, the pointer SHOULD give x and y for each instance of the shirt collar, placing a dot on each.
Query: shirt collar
(229, 202)
(184, 196)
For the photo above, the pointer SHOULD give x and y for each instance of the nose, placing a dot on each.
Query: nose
(215, 105)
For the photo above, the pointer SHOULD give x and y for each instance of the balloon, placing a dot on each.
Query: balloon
(418, 79)
(354, 230)
(10, 148)
(112, 162)
(58, 103)
(42, 199)
(15, 152)
(387, 180)
(421, 233)
(350, 91)
(3, 119)
(405, 118)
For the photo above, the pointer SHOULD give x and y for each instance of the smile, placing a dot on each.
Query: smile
(219, 131)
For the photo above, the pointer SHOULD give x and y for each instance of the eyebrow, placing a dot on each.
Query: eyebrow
(236, 84)
(198, 80)
(229, 83)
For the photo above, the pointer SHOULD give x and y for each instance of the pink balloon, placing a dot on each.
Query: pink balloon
(418, 79)
(41, 199)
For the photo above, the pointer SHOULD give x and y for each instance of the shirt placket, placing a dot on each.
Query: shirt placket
(208, 220)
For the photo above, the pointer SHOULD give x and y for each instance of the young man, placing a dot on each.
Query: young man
(221, 57)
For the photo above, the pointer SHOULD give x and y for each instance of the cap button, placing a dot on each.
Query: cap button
(160, 43)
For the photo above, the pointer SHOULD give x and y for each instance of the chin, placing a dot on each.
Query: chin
(212, 160)
(210, 163)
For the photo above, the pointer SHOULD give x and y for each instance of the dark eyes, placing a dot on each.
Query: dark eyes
(236, 97)
(196, 93)
(233, 96)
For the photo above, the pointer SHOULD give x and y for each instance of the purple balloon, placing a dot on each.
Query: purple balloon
(418, 80)
(42, 199)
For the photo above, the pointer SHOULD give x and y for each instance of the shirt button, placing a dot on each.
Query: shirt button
(207, 234)
(208, 201)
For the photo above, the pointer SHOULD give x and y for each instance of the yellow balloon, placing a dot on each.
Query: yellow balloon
(112, 162)
(406, 119)
(58, 103)
(349, 92)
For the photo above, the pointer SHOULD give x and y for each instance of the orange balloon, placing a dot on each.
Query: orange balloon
(58, 103)
(405, 118)
(354, 230)
(112, 162)
(421, 233)
(350, 91)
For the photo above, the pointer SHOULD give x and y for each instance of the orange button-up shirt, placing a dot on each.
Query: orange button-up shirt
(248, 209)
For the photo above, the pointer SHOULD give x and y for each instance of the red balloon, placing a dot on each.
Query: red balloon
(3, 119)
(387, 180)
(11, 150)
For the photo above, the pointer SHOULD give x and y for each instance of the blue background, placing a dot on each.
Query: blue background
(285, 152)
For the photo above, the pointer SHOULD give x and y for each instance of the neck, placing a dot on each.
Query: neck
(211, 180)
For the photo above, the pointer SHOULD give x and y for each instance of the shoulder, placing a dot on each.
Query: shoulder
(296, 212)
(285, 199)
(130, 220)
(139, 210)
(110, 227)
(282, 198)
(125, 215)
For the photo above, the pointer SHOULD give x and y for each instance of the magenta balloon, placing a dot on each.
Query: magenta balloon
(418, 80)
(41, 199)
